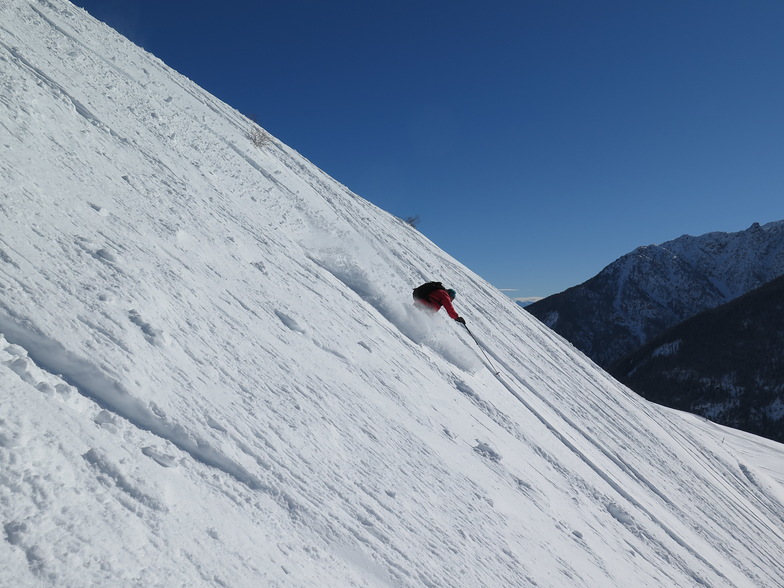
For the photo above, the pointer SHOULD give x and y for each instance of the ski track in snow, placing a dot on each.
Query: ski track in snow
(212, 374)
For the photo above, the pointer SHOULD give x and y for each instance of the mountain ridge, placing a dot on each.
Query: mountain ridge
(654, 287)
(722, 364)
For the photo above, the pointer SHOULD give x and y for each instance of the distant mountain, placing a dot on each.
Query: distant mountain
(726, 364)
(526, 301)
(655, 287)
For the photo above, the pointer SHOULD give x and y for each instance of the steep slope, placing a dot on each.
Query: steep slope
(211, 373)
(653, 288)
(726, 364)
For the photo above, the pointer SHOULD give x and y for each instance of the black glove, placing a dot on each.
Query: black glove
(460, 320)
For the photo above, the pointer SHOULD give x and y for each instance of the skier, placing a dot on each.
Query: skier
(432, 296)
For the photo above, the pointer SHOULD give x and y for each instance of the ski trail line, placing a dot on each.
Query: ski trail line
(594, 467)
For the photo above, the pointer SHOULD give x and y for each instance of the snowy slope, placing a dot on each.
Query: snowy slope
(211, 373)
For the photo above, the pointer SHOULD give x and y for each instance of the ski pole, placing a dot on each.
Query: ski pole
(481, 349)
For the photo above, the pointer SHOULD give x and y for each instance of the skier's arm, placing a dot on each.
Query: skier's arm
(446, 302)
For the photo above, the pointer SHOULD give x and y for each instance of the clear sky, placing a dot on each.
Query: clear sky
(537, 140)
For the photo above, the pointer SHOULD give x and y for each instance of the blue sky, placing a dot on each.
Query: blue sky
(537, 140)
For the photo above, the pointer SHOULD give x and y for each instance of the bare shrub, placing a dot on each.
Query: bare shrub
(258, 136)
(412, 221)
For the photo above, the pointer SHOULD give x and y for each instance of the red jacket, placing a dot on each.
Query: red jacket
(438, 298)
